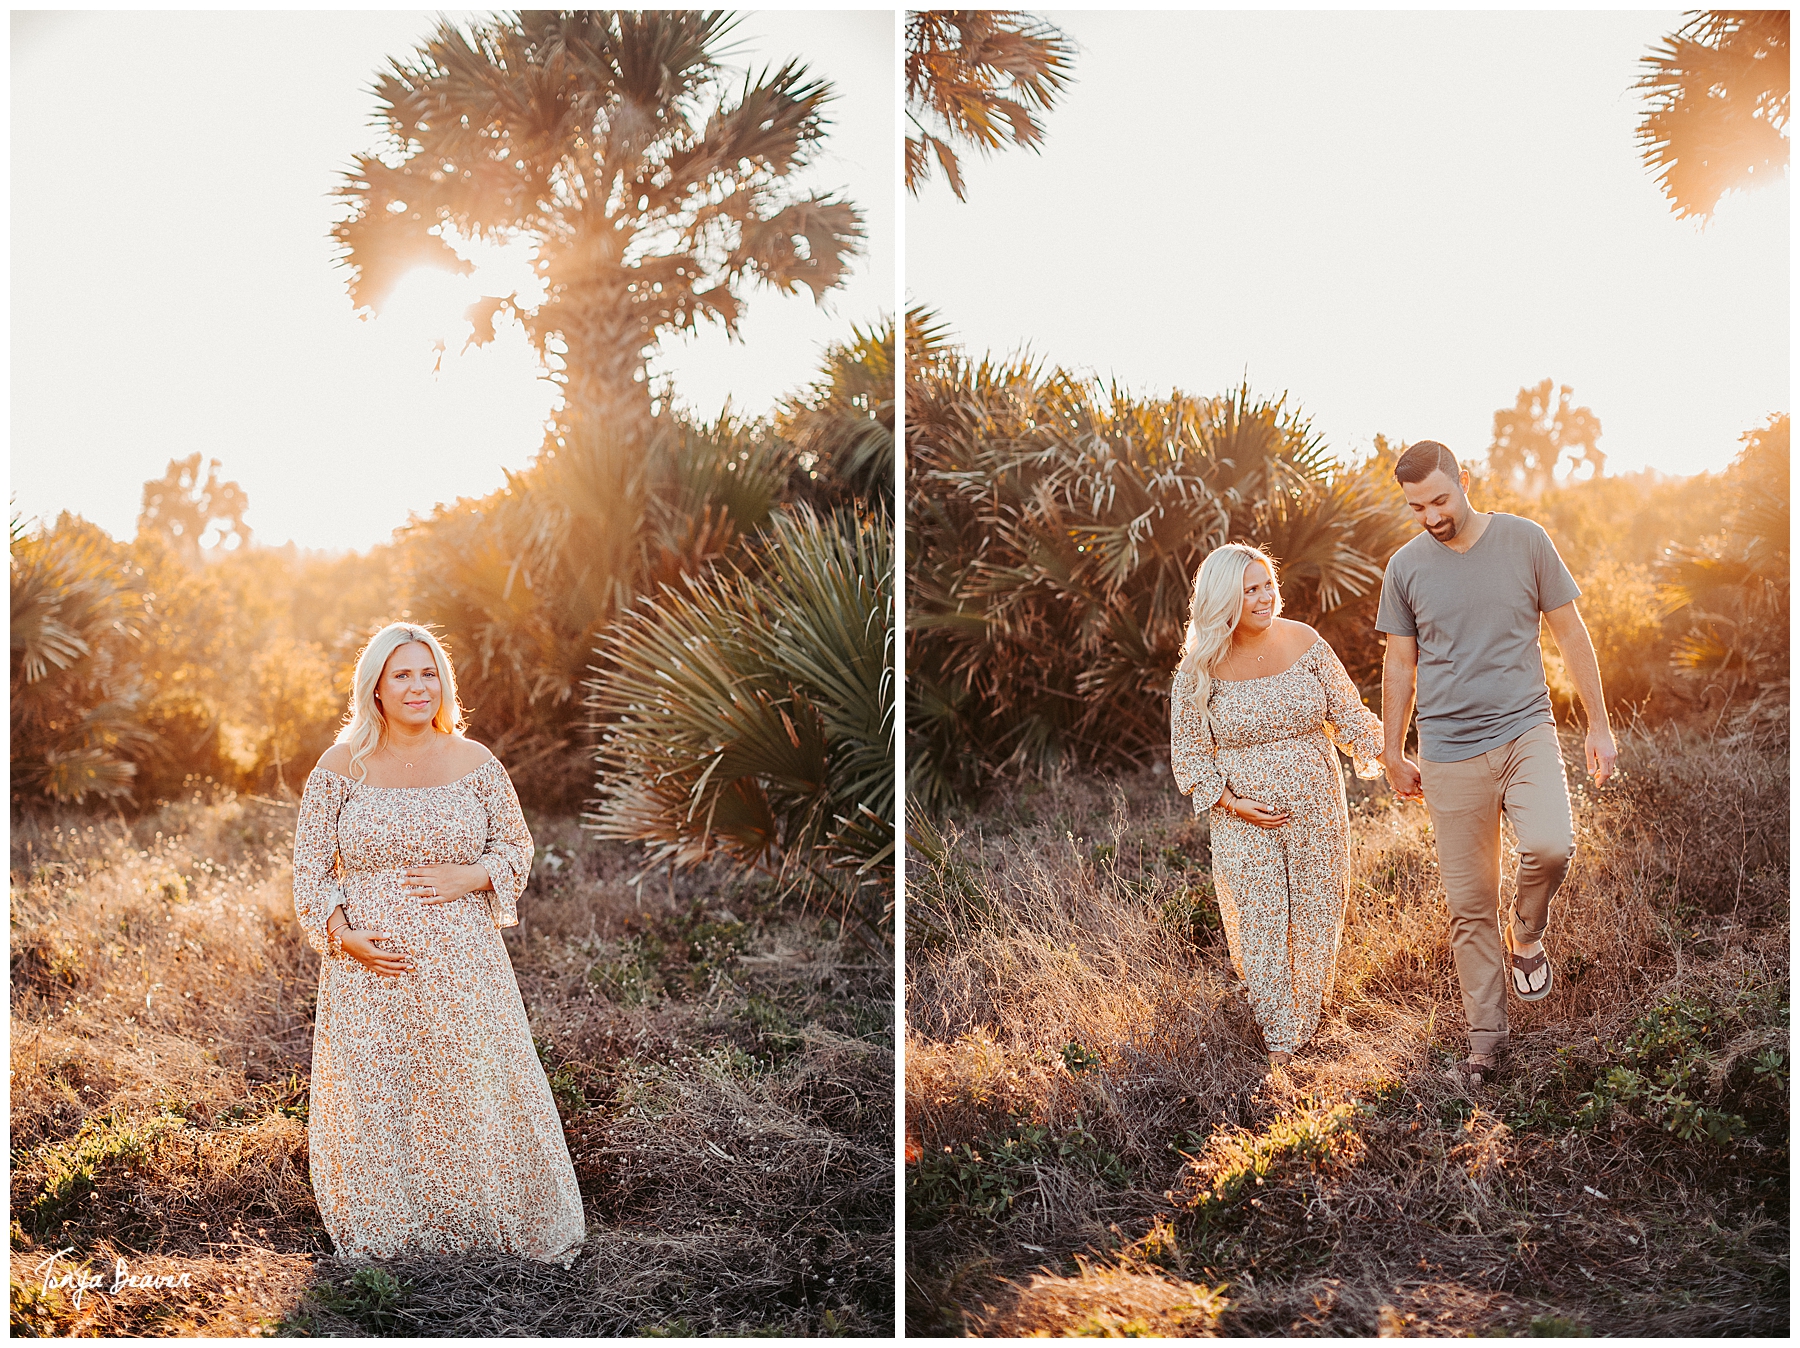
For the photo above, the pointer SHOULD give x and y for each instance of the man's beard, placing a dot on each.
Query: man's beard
(1448, 532)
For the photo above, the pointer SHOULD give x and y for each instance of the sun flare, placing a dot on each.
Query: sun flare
(433, 303)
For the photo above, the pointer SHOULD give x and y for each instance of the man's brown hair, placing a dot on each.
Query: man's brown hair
(1421, 460)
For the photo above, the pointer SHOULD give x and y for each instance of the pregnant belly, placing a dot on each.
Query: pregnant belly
(1297, 775)
(378, 901)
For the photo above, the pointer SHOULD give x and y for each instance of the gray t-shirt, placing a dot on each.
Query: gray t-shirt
(1475, 616)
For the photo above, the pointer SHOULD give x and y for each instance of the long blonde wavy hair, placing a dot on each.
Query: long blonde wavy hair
(365, 726)
(1213, 612)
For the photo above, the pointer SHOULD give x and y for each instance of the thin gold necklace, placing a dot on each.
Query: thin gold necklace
(396, 753)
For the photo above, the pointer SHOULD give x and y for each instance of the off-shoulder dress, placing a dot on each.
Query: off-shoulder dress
(431, 1124)
(1282, 891)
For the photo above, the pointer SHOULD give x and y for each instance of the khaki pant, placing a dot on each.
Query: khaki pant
(1525, 780)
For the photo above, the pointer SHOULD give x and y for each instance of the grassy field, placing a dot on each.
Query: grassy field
(724, 1073)
(1093, 1148)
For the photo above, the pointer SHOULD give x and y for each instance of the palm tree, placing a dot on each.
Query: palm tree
(1718, 106)
(749, 715)
(977, 77)
(582, 132)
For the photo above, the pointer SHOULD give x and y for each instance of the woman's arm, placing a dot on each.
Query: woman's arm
(318, 897)
(1352, 726)
(507, 856)
(1193, 756)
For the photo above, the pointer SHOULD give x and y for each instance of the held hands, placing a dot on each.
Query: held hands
(1403, 776)
(444, 883)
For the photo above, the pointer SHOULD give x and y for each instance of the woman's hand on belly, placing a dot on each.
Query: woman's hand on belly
(361, 945)
(445, 883)
(1255, 811)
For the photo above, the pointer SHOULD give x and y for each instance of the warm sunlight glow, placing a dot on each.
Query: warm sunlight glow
(503, 268)
(337, 425)
(430, 303)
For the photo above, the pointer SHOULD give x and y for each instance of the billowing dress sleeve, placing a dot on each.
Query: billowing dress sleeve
(1352, 726)
(509, 850)
(1193, 756)
(316, 888)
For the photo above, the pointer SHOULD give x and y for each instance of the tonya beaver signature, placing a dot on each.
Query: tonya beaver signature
(80, 1282)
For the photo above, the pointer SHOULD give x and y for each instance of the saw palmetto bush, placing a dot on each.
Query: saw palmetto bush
(524, 580)
(1728, 592)
(1054, 528)
(842, 426)
(749, 715)
(143, 671)
(76, 697)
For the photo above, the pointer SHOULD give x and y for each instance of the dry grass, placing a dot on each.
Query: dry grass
(1083, 1079)
(723, 1069)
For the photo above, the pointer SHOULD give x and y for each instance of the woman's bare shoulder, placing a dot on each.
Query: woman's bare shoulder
(470, 754)
(336, 759)
(1300, 636)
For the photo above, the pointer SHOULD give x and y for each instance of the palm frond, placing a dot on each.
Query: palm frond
(1716, 121)
(842, 427)
(977, 78)
(76, 703)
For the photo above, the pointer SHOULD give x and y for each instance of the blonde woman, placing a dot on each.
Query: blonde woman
(1257, 705)
(432, 1126)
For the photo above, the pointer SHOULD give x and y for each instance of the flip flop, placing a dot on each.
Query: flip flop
(1527, 965)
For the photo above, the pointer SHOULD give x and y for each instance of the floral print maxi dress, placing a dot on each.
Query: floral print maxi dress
(1282, 891)
(432, 1126)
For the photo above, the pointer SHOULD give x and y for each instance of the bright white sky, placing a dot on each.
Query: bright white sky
(1398, 218)
(173, 287)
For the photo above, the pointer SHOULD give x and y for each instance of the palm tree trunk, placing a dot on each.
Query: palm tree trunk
(604, 377)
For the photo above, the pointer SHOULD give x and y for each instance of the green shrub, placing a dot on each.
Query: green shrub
(1238, 1165)
(373, 1299)
(985, 1180)
(1078, 1059)
(1193, 910)
(103, 1142)
(1664, 1069)
(634, 977)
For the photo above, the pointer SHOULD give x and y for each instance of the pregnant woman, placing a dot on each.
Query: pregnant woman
(432, 1127)
(1257, 705)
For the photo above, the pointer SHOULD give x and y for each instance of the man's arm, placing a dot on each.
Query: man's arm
(1584, 672)
(1399, 680)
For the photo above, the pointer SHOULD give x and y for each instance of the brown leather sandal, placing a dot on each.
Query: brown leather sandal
(1470, 1075)
(1527, 965)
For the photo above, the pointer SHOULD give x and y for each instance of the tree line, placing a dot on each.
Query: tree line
(1054, 525)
